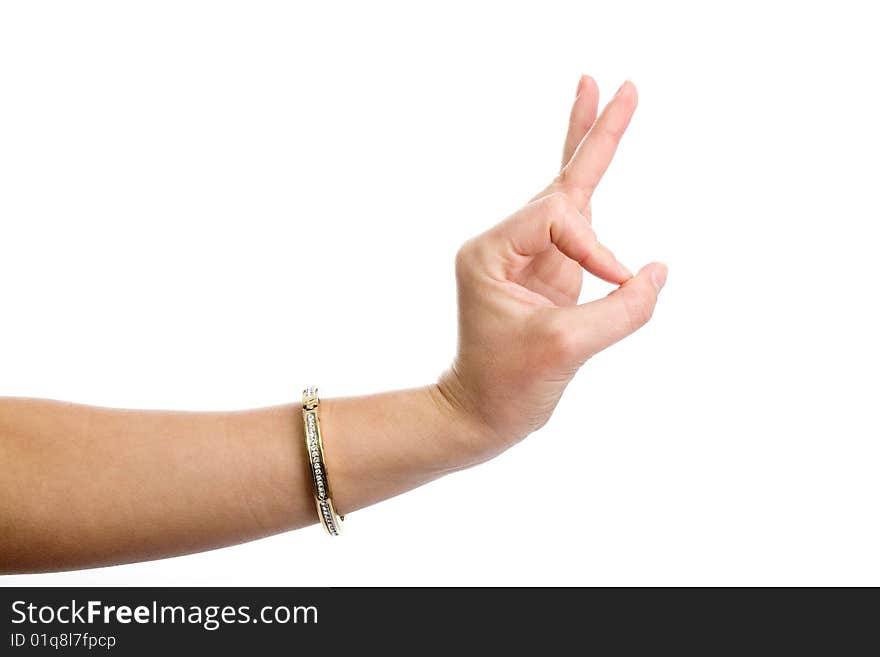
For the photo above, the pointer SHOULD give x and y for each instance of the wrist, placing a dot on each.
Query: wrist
(474, 439)
(381, 445)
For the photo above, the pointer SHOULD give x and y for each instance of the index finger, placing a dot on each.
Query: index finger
(554, 220)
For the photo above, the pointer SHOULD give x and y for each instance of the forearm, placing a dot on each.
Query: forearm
(85, 486)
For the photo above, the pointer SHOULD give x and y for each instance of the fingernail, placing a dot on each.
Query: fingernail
(658, 277)
(620, 88)
(580, 86)
(624, 270)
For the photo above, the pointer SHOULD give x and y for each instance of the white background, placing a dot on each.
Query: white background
(171, 173)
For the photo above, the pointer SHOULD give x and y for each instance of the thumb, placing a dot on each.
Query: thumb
(603, 322)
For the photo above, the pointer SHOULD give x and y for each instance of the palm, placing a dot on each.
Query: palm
(553, 276)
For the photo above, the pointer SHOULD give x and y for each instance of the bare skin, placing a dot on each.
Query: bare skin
(86, 486)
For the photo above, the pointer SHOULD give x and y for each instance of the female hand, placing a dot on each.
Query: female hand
(522, 333)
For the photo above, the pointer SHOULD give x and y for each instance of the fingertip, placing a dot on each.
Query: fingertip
(628, 87)
(628, 91)
(606, 266)
(586, 97)
(656, 272)
(623, 311)
(586, 83)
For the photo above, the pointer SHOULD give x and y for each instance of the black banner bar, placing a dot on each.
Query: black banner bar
(134, 621)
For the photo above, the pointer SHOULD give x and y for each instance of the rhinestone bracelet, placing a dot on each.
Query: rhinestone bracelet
(331, 521)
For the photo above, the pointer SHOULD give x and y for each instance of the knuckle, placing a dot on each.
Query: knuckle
(576, 195)
(611, 132)
(556, 204)
(589, 238)
(464, 257)
(470, 255)
(560, 342)
(562, 178)
(638, 309)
